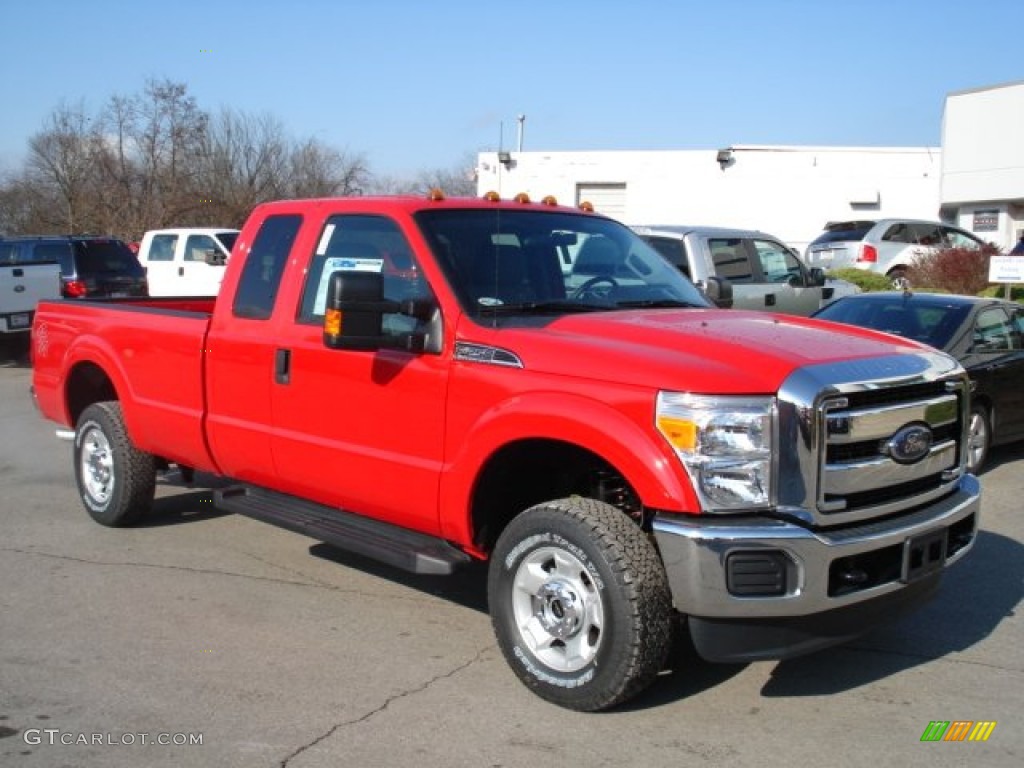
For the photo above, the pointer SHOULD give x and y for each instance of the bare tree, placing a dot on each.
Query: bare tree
(61, 158)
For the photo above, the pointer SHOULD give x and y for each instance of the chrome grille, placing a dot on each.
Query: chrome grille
(873, 439)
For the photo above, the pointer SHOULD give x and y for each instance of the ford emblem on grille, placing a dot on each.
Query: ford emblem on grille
(910, 444)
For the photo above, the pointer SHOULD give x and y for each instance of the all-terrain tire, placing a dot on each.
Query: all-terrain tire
(580, 603)
(116, 480)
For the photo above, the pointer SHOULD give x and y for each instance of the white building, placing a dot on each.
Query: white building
(983, 162)
(788, 191)
(975, 181)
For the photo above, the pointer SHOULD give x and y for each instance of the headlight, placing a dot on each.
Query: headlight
(725, 444)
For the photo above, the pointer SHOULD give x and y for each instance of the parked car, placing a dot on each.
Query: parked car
(186, 261)
(887, 246)
(90, 266)
(763, 272)
(985, 335)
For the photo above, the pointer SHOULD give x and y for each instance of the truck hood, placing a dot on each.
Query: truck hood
(694, 350)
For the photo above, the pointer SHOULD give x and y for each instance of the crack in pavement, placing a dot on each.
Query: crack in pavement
(315, 584)
(387, 703)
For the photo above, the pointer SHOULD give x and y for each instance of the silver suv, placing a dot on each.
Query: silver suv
(886, 246)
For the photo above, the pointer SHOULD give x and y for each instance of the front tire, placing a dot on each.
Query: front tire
(580, 603)
(117, 481)
(979, 438)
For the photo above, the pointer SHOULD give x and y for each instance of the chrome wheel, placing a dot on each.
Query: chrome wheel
(977, 440)
(97, 465)
(558, 609)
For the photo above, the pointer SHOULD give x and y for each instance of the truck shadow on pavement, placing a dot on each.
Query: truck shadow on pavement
(973, 599)
(192, 506)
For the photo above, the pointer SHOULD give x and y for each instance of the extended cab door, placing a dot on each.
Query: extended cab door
(359, 430)
(158, 258)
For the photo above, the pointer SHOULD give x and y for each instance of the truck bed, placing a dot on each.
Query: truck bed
(154, 352)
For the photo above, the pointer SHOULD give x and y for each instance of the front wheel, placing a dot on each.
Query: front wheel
(979, 438)
(116, 480)
(580, 603)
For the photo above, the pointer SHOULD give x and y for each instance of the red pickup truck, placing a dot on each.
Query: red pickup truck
(432, 381)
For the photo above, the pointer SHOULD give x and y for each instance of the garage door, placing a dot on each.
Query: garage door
(607, 198)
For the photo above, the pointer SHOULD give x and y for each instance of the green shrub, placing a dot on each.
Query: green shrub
(867, 281)
(999, 292)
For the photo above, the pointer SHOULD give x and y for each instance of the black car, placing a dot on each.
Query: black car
(985, 335)
(90, 266)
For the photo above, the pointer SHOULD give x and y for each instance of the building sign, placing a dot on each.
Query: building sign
(986, 221)
(1006, 269)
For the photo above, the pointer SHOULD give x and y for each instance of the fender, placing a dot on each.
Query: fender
(645, 460)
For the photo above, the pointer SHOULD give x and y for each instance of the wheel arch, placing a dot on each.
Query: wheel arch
(555, 445)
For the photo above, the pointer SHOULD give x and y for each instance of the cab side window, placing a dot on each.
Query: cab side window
(197, 246)
(993, 332)
(673, 250)
(363, 243)
(261, 275)
(777, 263)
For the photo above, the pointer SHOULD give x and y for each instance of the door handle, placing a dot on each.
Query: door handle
(769, 299)
(181, 271)
(283, 366)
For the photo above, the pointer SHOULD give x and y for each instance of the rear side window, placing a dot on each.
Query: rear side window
(59, 252)
(673, 250)
(842, 231)
(731, 261)
(96, 257)
(261, 275)
(162, 248)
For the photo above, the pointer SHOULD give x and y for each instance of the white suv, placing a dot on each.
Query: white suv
(887, 246)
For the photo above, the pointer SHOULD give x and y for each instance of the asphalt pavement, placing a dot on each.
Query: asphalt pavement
(200, 638)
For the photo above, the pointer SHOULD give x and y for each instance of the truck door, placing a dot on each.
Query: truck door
(195, 275)
(161, 270)
(359, 430)
(240, 356)
(783, 278)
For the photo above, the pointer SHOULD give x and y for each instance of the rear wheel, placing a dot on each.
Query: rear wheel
(116, 481)
(899, 279)
(580, 603)
(979, 438)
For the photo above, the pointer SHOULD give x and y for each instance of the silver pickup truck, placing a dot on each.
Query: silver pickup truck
(22, 284)
(763, 272)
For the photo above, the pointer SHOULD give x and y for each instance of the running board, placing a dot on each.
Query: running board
(400, 547)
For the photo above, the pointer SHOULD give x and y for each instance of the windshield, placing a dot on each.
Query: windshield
(530, 262)
(934, 323)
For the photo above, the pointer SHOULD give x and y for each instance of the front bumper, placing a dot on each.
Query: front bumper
(837, 579)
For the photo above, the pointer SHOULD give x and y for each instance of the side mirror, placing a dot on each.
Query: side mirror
(815, 277)
(215, 258)
(719, 290)
(355, 310)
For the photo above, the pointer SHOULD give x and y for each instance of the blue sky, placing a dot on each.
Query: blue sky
(419, 85)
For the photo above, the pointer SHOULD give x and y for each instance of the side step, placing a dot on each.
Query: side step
(400, 547)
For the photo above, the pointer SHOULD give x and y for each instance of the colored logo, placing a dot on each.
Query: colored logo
(958, 730)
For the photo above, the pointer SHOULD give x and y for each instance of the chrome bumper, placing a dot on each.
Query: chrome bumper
(696, 555)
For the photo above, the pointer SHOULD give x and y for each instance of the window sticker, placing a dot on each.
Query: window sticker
(341, 264)
(325, 238)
